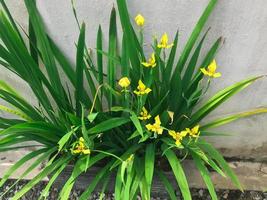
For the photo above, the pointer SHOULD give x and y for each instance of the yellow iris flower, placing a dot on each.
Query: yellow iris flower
(194, 132)
(139, 20)
(156, 128)
(211, 70)
(80, 147)
(164, 42)
(177, 136)
(144, 114)
(142, 89)
(151, 61)
(124, 82)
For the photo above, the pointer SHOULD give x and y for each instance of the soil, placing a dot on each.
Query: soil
(197, 194)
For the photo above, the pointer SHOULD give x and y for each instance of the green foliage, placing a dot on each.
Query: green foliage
(140, 112)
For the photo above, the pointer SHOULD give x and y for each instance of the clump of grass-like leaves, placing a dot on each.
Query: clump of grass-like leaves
(142, 111)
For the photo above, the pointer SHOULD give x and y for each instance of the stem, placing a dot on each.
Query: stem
(141, 37)
(164, 55)
(110, 154)
(99, 87)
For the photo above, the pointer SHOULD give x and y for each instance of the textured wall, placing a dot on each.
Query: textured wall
(243, 24)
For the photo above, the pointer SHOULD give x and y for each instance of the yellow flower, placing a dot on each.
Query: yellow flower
(142, 89)
(164, 42)
(151, 61)
(194, 132)
(124, 82)
(139, 20)
(144, 114)
(80, 147)
(211, 70)
(177, 136)
(156, 128)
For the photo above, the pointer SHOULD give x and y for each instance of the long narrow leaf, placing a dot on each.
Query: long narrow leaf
(108, 124)
(149, 164)
(233, 117)
(79, 70)
(220, 160)
(205, 175)
(219, 98)
(178, 172)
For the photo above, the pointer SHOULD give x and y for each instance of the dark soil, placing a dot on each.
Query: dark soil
(197, 194)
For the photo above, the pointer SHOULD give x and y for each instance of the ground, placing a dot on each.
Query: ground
(197, 194)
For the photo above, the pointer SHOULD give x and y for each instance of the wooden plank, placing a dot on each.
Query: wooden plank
(253, 176)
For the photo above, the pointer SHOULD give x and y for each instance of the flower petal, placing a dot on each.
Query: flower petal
(147, 90)
(145, 64)
(204, 71)
(217, 75)
(212, 67)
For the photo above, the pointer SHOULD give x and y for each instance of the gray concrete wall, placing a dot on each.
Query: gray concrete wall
(243, 24)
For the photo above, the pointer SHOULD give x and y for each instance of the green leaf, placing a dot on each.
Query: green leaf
(134, 135)
(4, 86)
(193, 37)
(169, 66)
(91, 117)
(79, 70)
(18, 113)
(139, 174)
(133, 118)
(108, 124)
(137, 123)
(126, 154)
(5, 123)
(144, 188)
(207, 60)
(167, 185)
(11, 96)
(66, 138)
(47, 170)
(80, 166)
(122, 170)
(99, 55)
(233, 117)
(220, 160)
(208, 133)
(124, 58)
(218, 99)
(35, 164)
(129, 180)
(104, 187)
(90, 188)
(197, 151)
(112, 50)
(134, 48)
(205, 175)
(44, 47)
(149, 164)
(42, 130)
(178, 172)
(68, 69)
(118, 184)
(192, 63)
(19, 163)
(45, 191)
(14, 24)
(33, 42)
